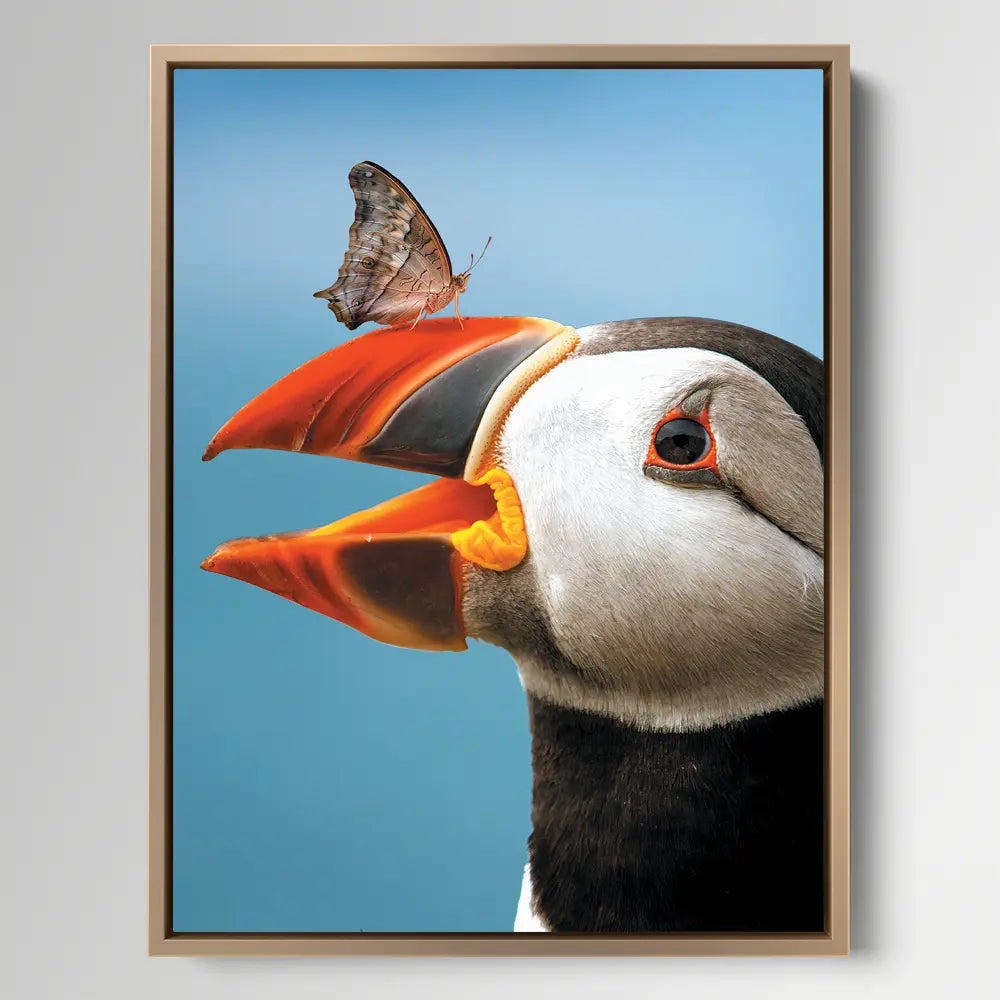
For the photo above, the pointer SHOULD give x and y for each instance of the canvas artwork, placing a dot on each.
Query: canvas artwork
(498, 572)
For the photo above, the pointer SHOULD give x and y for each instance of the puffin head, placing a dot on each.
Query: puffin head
(634, 510)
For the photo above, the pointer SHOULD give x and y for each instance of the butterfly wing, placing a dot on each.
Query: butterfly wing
(395, 257)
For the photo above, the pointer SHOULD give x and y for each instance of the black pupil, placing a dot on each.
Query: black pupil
(682, 442)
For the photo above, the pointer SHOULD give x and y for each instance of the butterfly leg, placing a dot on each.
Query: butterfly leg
(459, 315)
(420, 316)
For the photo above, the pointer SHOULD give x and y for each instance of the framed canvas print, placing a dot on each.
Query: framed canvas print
(499, 500)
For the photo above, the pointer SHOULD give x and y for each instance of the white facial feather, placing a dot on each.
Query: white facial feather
(679, 606)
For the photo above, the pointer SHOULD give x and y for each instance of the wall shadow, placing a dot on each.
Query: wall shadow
(869, 369)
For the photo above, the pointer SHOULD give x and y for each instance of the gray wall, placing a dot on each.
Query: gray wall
(74, 382)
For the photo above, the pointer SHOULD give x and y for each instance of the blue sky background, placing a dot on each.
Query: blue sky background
(322, 781)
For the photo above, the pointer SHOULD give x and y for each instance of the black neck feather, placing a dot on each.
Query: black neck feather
(717, 830)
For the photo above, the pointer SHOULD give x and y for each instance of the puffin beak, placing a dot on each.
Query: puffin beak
(430, 398)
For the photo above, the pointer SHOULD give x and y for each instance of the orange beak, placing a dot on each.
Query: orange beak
(430, 399)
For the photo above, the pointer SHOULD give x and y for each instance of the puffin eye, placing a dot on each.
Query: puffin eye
(682, 442)
(682, 449)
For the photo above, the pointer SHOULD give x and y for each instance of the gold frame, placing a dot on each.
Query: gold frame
(834, 61)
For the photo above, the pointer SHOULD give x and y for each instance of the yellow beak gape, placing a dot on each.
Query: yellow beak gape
(499, 543)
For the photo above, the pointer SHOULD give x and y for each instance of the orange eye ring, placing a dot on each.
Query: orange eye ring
(707, 461)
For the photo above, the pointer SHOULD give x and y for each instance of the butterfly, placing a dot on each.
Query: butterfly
(396, 267)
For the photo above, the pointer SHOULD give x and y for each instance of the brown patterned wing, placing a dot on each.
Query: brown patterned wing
(395, 258)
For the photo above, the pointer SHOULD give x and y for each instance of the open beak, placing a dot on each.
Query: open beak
(431, 398)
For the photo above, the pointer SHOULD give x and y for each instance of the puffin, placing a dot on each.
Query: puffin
(635, 511)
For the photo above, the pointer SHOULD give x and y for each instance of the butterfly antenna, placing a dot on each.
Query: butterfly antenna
(473, 263)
